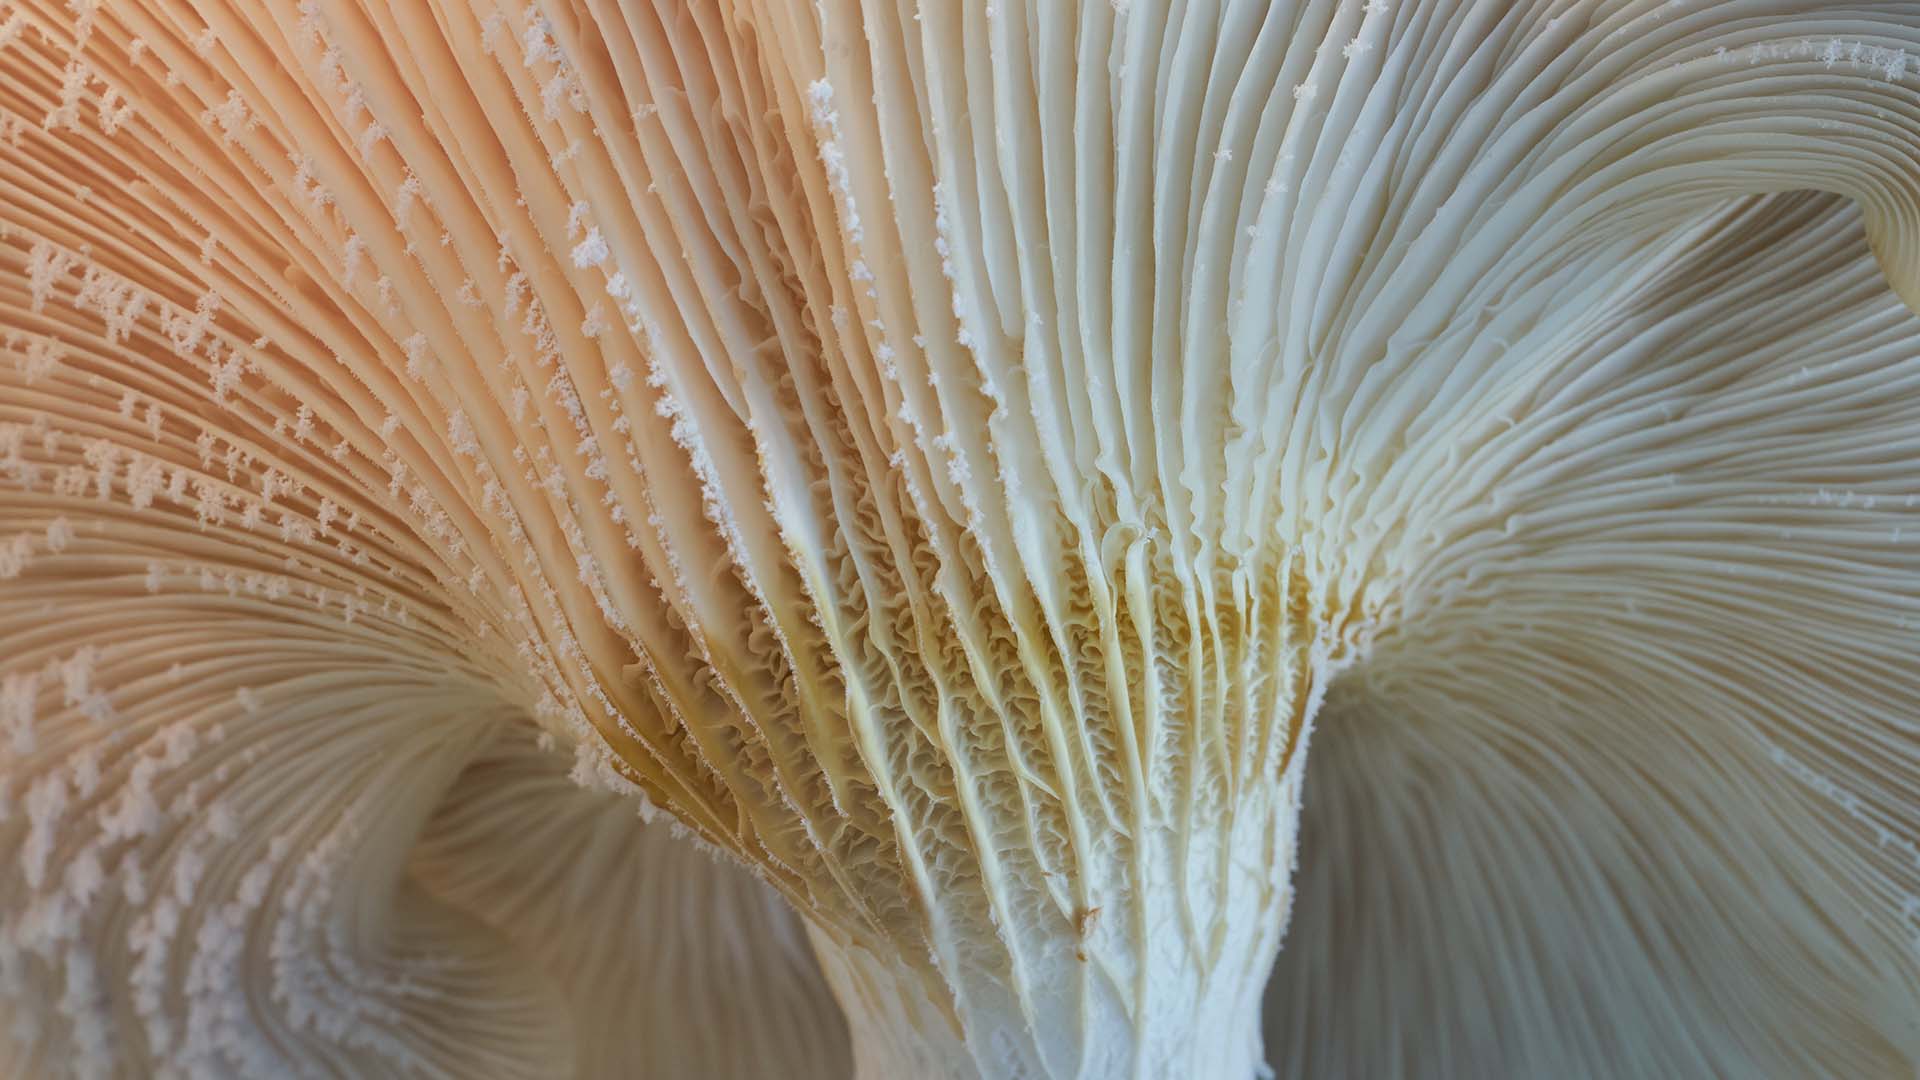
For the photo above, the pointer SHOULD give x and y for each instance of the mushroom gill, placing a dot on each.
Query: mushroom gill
(943, 455)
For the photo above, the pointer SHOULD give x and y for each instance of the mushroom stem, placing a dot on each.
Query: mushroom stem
(1171, 986)
(897, 1028)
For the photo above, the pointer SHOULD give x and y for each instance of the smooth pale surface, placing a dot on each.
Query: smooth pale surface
(941, 454)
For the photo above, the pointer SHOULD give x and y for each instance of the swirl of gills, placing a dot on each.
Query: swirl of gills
(948, 459)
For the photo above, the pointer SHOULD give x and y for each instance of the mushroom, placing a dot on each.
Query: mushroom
(950, 458)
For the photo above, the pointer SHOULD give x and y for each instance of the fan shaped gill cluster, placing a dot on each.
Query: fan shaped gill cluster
(941, 454)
